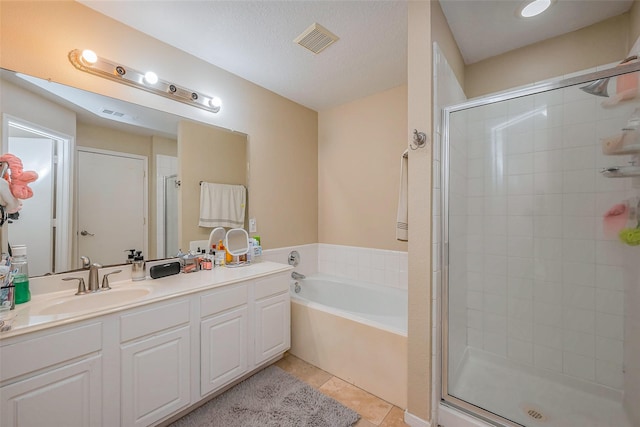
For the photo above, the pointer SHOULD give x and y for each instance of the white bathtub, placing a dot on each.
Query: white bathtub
(355, 331)
(382, 306)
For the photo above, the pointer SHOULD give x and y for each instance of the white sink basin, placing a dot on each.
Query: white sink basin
(92, 301)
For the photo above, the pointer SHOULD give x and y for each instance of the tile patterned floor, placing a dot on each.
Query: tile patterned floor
(374, 412)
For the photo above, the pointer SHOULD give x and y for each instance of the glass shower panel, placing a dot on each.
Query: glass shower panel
(539, 189)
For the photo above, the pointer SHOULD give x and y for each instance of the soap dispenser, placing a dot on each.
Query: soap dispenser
(138, 270)
(131, 255)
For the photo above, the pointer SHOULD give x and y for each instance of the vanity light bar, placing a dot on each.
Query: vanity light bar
(88, 61)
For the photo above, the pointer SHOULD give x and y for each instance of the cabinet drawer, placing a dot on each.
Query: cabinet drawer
(223, 299)
(271, 285)
(52, 349)
(154, 319)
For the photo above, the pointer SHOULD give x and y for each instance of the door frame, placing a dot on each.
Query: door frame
(145, 197)
(64, 199)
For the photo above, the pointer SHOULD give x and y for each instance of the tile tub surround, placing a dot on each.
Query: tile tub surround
(368, 265)
(378, 266)
(308, 257)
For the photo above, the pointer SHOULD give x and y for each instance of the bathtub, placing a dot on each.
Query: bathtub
(355, 331)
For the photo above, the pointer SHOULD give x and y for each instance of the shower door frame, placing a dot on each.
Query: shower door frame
(445, 398)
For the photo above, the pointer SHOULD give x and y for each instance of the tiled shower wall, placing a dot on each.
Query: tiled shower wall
(545, 285)
(632, 339)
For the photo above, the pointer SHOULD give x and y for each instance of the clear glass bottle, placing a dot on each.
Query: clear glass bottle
(21, 277)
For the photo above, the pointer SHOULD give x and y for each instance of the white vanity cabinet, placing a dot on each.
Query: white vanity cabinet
(224, 337)
(143, 365)
(53, 379)
(272, 318)
(155, 362)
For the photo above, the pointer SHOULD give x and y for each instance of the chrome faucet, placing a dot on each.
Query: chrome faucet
(297, 276)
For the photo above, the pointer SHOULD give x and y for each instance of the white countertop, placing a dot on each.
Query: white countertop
(28, 320)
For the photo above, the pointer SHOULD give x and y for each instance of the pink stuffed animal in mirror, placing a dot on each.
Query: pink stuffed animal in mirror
(18, 179)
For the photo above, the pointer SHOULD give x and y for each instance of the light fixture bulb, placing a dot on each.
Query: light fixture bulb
(89, 56)
(215, 102)
(534, 8)
(150, 77)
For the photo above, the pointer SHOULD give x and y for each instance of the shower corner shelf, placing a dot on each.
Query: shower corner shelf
(621, 171)
(628, 149)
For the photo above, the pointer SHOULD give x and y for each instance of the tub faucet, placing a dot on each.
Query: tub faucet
(297, 276)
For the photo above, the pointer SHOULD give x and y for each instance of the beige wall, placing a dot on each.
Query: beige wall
(634, 22)
(419, 117)
(36, 37)
(359, 149)
(588, 47)
(104, 138)
(206, 154)
(25, 105)
(441, 34)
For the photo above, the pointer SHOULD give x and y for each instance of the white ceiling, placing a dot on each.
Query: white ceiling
(254, 39)
(485, 28)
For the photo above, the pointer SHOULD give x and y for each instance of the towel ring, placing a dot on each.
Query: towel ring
(420, 140)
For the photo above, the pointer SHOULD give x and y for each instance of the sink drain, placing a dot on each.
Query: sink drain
(534, 413)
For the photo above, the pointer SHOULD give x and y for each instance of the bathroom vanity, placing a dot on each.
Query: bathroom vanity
(172, 343)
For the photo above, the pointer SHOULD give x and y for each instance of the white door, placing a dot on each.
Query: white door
(107, 228)
(35, 226)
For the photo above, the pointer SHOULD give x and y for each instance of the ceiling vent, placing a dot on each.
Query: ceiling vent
(115, 114)
(316, 38)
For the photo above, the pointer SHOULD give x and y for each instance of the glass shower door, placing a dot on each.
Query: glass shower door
(537, 184)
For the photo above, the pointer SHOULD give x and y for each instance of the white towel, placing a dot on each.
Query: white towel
(402, 226)
(222, 205)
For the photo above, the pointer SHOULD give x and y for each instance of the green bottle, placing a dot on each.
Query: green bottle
(21, 278)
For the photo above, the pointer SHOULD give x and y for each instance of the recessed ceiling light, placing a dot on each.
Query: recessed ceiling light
(535, 8)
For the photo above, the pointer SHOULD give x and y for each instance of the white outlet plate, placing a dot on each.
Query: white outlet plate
(252, 225)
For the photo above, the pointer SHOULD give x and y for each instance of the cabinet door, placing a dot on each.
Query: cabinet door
(224, 347)
(155, 377)
(272, 327)
(68, 396)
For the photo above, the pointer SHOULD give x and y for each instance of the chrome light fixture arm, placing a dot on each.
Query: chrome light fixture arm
(89, 62)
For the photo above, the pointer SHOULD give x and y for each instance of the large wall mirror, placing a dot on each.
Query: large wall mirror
(113, 176)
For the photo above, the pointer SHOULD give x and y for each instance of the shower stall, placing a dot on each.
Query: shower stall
(540, 256)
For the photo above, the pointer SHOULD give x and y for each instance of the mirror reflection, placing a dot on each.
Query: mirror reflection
(111, 177)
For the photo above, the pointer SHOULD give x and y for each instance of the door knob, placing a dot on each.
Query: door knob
(86, 233)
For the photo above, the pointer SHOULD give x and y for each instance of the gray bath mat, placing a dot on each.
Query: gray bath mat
(270, 398)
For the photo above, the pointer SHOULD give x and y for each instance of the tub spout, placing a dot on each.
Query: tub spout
(297, 276)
